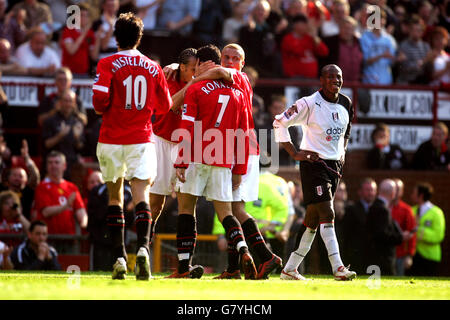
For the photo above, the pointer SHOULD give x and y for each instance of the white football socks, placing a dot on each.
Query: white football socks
(297, 256)
(329, 238)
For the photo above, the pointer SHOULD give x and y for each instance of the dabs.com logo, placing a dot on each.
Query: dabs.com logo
(333, 134)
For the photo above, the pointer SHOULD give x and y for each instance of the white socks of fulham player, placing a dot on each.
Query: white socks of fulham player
(329, 238)
(297, 256)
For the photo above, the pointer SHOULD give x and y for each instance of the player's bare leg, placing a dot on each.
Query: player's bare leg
(157, 202)
(143, 219)
(116, 227)
(253, 236)
(234, 234)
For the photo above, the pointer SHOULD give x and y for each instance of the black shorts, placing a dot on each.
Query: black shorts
(319, 184)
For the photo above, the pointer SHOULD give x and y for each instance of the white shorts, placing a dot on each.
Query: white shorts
(166, 153)
(127, 161)
(214, 183)
(249, 187)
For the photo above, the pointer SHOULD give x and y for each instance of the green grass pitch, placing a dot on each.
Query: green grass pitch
(15, 285)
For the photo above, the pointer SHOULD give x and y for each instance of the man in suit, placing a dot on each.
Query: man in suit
(354, 225)
(383, 235)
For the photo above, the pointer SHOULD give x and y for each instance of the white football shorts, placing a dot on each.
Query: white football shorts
(127, 161)
(166, 153)
(214, 183)
(249, 187)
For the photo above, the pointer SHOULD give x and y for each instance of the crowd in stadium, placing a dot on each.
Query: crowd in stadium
(373, 42)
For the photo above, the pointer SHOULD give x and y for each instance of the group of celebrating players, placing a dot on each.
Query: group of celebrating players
(201, 143)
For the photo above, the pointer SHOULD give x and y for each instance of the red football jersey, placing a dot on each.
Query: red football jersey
(165, 124)
(242, 81)
(128, 89)
(79, 61)
(213, 112)
(49, 194)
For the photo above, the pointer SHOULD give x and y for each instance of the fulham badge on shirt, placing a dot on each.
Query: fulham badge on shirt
(319, 190)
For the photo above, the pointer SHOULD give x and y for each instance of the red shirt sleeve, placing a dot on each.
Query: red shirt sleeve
(189, 114)
(164, 99)
(101, 97)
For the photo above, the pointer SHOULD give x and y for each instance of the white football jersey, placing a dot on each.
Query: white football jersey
(325, 124)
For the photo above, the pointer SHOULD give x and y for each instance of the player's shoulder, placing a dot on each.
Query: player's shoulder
(345, 101)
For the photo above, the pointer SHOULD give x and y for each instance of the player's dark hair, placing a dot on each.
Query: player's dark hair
(128, 30)
(184, 58)
(425, 189)
(209, 52)
(36, 223)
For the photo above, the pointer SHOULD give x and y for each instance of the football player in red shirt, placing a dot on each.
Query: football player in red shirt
(214, 108)
(129, 88)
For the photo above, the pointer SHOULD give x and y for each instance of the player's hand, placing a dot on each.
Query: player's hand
(305, 155)
(170, 71)
(236, 181)
(203, 67)
(181, 174)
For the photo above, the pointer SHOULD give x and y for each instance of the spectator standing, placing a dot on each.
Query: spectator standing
(412, 53)
(258, 41)
(105, 25)
(148, 12)
(379, 49)
(80, 47)
(339, 10)
(64, 131)
(354, 225)
(430, 232)
(433, 154)
(8, 63)
(37, 13)
(18, 181)
(178, 16)
(439, 58)
(345, 50)
(12, 27)
(300, 49)
(383, 233)
(47, 106)
(37, 56)
(383, 154)
(233, 24)
(208, 28)
(35, 253)
(58, 202)
(402, 213)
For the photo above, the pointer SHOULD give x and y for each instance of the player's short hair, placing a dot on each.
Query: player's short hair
(36, 223)
(128, 30)
(425, 189)
(209, 52)
(186, 54)
(325, 69)
(237, 47)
